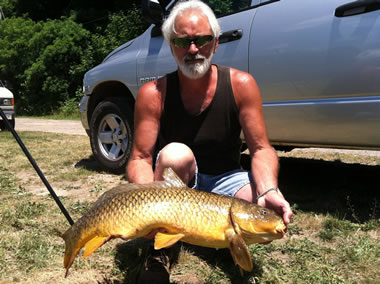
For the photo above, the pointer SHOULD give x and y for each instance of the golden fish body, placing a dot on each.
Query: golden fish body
(181, 213)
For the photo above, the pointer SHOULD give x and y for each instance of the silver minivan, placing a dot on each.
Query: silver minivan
(317, 64)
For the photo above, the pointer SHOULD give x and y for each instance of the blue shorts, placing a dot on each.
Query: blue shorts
(228, 183)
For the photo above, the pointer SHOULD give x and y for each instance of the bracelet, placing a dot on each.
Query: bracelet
(265, 192)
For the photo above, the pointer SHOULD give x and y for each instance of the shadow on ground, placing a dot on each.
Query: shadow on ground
(91, 164)
(347, 191)
(350, 191)
(221, 259)
(130, 257)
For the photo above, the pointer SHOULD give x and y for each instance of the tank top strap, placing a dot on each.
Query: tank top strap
(172, 97)
(224, 88)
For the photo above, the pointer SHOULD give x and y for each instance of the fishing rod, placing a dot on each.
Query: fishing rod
(35, 166)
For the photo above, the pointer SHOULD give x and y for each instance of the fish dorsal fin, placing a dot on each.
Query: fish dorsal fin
(239, 250)
(172, 179)
(163, 240)
(93, 244)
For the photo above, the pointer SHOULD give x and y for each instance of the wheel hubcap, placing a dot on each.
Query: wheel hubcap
(112, 137)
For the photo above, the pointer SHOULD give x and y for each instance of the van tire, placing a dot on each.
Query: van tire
(111, 132)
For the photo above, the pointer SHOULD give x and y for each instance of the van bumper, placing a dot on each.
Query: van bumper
(83, 106)
(9, 113)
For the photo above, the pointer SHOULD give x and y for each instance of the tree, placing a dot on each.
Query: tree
(15, 52)
(92, 14)
(45, 61)
(39, 59)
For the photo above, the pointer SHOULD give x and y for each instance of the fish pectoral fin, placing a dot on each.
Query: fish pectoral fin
(93, 244)
(163, 240)
(239, 250)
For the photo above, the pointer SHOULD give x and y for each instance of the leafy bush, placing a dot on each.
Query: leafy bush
(45, 61)
(39, 58)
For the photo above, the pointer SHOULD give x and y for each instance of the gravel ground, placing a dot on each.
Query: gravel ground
(49, 125)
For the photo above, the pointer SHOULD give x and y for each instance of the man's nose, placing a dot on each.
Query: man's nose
(193, 48)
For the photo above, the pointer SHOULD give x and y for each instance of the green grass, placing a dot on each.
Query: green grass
(334, 236)
(25, 243)
(333, 228)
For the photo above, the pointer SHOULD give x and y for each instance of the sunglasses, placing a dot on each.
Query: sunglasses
(199, 41)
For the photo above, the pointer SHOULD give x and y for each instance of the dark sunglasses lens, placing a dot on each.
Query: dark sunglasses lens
(198, 41)
(202, 40)
(181, 42)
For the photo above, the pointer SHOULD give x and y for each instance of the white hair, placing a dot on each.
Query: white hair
(180, 8)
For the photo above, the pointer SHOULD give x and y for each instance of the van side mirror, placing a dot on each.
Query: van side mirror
(152, 11)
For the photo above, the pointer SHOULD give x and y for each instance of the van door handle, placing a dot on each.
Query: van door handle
(357, 7)
(230, 36)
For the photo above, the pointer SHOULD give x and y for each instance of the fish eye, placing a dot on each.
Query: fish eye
(264, 212)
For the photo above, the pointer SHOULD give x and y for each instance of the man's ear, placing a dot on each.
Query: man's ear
(216, 45)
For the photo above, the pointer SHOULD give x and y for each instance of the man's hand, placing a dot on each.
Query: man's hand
(276, 201)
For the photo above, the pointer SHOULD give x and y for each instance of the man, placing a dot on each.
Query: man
(192, 118)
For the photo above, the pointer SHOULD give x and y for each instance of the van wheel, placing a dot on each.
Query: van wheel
(111, 127)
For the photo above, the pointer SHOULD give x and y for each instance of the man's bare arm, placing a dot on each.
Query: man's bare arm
(264, 160)
(148, 110)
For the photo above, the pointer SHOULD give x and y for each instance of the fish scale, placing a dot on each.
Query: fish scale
(193, 216)
(152, 206)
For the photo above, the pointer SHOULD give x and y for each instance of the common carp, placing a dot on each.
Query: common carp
(193, 216)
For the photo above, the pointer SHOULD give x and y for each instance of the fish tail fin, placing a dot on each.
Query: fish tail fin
(71, 249)
(74, 242)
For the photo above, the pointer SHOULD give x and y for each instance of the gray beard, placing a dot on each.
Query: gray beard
(197, 70)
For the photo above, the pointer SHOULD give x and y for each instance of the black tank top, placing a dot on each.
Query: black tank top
(213, 135)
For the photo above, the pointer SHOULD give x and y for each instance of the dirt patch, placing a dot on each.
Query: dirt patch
(50, 125)
(81, 190)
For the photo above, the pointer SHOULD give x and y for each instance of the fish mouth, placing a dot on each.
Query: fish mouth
(265, 236)
(281, 233)
(281, 230)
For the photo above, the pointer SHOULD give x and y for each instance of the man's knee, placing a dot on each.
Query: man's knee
(180, 158)
(175, 153)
